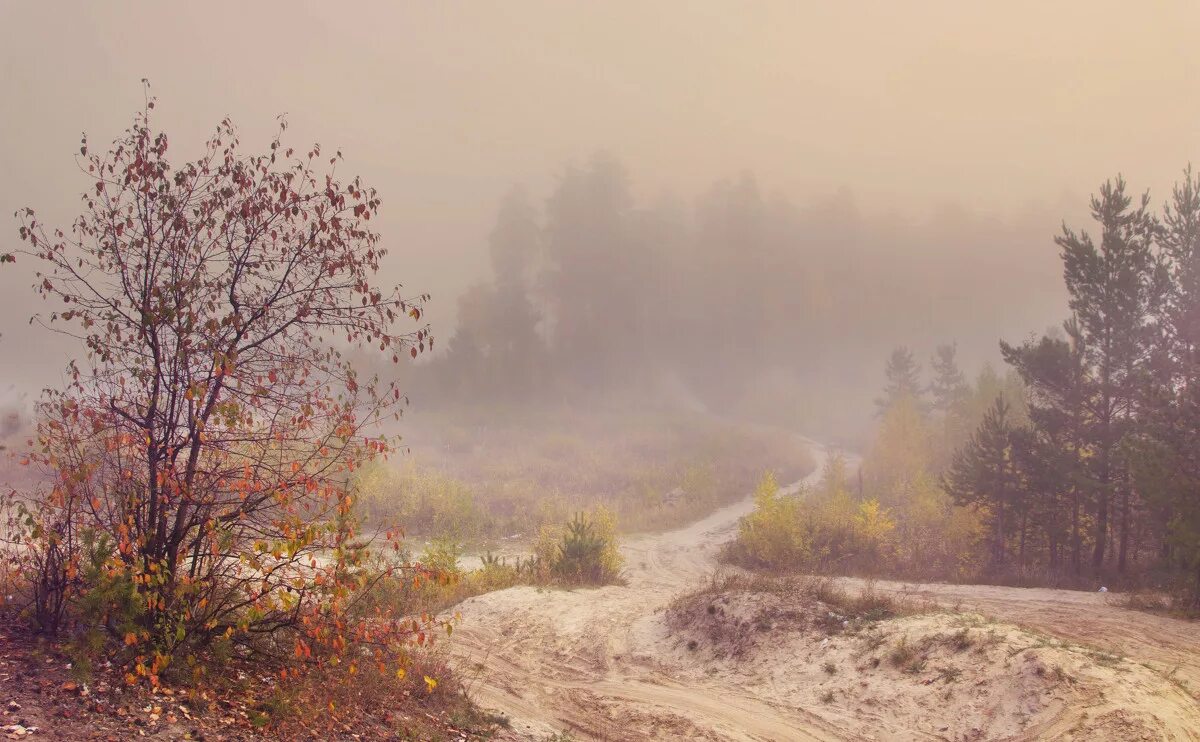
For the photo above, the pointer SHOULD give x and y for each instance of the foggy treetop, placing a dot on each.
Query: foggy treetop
(445, 108)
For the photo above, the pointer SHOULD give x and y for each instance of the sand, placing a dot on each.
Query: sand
(606, 663)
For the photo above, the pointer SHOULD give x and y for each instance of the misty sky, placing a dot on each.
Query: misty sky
(443, 106)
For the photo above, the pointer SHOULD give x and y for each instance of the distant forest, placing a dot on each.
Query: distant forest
(743, 300)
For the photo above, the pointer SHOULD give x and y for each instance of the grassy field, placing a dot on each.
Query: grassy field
(486, 480)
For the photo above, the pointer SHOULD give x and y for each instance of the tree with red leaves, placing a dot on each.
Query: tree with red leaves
(200, 454)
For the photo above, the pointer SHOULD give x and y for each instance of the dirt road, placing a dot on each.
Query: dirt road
(593, 661)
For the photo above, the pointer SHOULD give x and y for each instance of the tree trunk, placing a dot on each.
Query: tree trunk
(1076, 537)
(998, 550)
(1101, 531)
(1102, 498)
(1105, 444)
(1024, 527)
(1124, 548)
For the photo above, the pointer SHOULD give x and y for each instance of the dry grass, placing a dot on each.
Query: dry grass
(866, 605)
(428, 702)
(499, 479)
(732, 612)
(239, 699)
(1177, 604)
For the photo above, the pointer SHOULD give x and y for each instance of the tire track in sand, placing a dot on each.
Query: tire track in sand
(583, 660)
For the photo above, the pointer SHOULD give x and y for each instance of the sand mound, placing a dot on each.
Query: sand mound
(935, 675)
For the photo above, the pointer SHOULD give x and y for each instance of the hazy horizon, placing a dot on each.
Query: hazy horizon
(930, 113)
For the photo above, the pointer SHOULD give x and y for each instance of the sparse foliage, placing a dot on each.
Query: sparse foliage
(199, 457)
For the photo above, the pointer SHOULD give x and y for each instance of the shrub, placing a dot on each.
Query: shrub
(587, 550)
(773, 534)
(441, 557)
(827, 530)
(581, 552)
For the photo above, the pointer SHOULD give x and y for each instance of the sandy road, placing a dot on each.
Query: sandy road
(585, 660)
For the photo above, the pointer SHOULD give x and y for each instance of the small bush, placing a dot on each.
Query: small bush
(961, 641)
(434, 583)
(903, 653)
(441, 556)
(586, 553)
(817, 531)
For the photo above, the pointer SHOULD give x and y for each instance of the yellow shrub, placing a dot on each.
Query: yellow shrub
(772, 535)
(873, 526)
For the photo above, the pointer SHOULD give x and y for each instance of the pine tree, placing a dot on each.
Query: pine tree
(1112, 287)
(949, 386)
(903, 380)
(950, 395)
(1169, 469)
(984, 475)
(1054, 374)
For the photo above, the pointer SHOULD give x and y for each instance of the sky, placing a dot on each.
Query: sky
(992, 107)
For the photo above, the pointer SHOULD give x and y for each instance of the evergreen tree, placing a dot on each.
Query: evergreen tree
(950, 394)
(1168, 470)
(497, 346)
(984, 475)
(1112, 286)
(949, 386)
(903, 380)
(1054, 374)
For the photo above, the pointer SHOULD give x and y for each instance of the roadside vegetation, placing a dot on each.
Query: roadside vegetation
(1075, 469)
(485, 482)
(207, 498)
(581, 552)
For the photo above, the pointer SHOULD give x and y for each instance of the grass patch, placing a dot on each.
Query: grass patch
(949, 674)
(732, 612)
(1175, 604)
(907, 657)
(961, 640)
(849, 606)
(480, 476)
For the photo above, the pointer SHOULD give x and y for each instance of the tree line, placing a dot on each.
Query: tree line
(749, 299)
(1099, 474)
(1078, 466)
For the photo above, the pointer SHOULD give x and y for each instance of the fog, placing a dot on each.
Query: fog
(821, 180)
